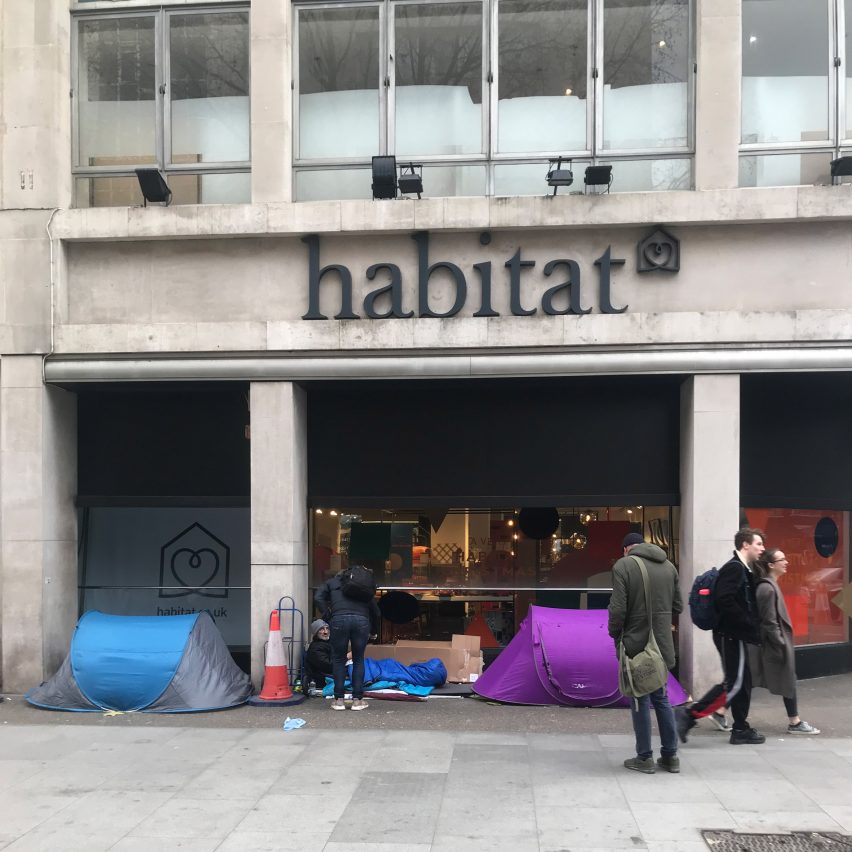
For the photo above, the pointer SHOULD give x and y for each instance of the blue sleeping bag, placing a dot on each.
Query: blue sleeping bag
(430, 673)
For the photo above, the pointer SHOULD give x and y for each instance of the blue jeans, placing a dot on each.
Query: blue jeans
(665, 722)
(348, 628)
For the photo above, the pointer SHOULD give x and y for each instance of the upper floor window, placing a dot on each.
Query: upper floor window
(484, 92)
(168, 88)
(796, 95)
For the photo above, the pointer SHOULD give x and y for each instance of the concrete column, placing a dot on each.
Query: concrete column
(38, 482)
(710, 512)
(35, 149)
(717, 94)
(271, 101)
(279, 521)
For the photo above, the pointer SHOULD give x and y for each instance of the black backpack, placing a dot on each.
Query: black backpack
(358, 584)
(702, 605)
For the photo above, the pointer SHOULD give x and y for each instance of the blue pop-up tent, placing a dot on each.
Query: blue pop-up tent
(154, 664)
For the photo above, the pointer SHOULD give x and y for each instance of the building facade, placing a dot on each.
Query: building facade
(216, 403)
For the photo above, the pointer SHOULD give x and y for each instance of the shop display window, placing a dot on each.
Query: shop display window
(816, 544)
(484, 566)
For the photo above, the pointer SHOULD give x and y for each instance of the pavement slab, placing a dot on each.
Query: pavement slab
(452, 776)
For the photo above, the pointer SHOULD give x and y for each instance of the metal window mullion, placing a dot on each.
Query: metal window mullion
(833, 88)
(387, 71)
(75, 93)
(160, 77)
(786, 147)
(484, 86)
(840, 71)
(494, 85)
(596, 34)
(691, 72)
(295, 84)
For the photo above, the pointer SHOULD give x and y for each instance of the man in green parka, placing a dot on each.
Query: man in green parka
(628, 623)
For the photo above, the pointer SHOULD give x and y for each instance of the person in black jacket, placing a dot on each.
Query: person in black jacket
(318, 655)
(739, 625)
(354, 623)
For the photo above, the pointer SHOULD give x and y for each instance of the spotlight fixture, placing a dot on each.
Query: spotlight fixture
(598, 176)
(384, 177)
(557, 176)
(411, 179)
(153, 186)
(841, 167)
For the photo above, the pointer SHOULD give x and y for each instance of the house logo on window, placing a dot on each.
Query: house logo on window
(195, 562)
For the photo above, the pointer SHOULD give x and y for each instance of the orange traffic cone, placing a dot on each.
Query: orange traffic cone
(276, 679)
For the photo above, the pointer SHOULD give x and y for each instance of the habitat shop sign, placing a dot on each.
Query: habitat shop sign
(658, 252)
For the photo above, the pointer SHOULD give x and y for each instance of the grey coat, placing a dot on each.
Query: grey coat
(773, 663)
(628, 616)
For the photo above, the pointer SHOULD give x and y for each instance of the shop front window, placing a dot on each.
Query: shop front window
(816, 544)
(485, 565)
(160, 561)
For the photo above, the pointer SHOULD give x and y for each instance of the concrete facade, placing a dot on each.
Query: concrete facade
(762, 273)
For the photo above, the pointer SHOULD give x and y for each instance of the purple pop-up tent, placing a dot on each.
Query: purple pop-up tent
(560, 656)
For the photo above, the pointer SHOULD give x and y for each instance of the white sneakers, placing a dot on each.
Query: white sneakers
(340, 704)
(802, 728)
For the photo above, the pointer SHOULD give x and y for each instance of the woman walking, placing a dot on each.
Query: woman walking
(773, 663)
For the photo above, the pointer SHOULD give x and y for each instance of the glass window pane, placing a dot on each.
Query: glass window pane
(530, 178)
(785, 51)
(209, 87)
(123, 191)
(650, 175)
(117, 86)
(646, 67)
(786, 169)
(543, 62)
(338, 83)
(438, 72)
(222, 189)
(446, 181)
(333, 184)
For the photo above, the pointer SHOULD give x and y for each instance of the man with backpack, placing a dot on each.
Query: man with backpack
(347, 601)
(737, 624)
(629, 623)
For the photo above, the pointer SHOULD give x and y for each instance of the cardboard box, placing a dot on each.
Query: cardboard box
(461, 656)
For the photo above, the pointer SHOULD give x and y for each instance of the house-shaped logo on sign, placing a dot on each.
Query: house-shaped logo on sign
(194, 562)
(658, 252)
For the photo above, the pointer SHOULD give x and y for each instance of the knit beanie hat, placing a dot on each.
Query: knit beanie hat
(316, 626)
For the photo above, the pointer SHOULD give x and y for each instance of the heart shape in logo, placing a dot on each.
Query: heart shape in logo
(658, 254)
(194, 568)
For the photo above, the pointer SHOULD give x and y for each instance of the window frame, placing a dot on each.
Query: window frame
(835, 64)
(162, 96)
(490, 158)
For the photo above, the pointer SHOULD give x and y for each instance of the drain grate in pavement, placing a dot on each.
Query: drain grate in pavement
(798, 841)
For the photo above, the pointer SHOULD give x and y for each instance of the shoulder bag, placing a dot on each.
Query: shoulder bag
(647, 671)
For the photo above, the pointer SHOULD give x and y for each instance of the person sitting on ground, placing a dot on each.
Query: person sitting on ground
(773, 663)
(318, 655)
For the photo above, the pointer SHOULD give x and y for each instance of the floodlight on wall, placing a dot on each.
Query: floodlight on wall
(384, 177)
(557, 176)
(153, 186)
(411, 179)
(597, 176)
(840, 168)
